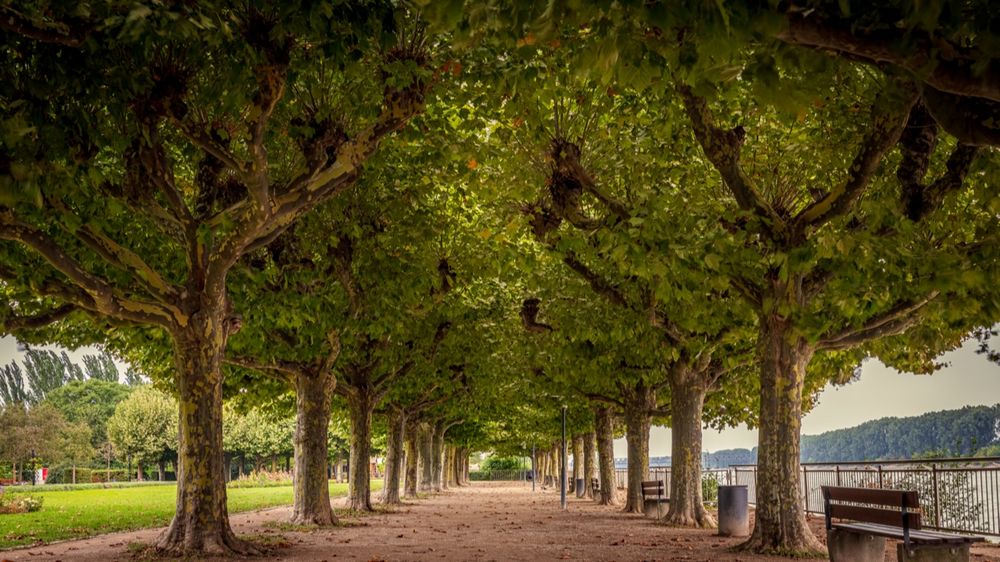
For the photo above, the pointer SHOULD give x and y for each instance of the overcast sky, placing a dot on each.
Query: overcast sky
(969, 379)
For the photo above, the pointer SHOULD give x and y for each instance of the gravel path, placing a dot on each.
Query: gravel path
(483, 522)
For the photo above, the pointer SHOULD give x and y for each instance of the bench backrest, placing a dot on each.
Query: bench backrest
(900, 508)
(595, 485)
(652, 488)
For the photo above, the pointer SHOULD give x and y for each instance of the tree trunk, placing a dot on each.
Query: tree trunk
(74, 473)
(361, 403)
(161, 470)
(456, 466)
(412, 461)
(201, 521)
(394, 456)
(465, 466)
(589, 450)
(640, 401)
(426, 441)
(687, 401)
(448, 463)
(437, 452)
(313, 398)
(579, 486)
(780, 527)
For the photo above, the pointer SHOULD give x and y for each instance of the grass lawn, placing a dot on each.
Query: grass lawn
(73, 514)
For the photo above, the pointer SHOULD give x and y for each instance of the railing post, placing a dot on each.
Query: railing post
(937, 509)
(805, 485)
(880, 485)
(838, 475)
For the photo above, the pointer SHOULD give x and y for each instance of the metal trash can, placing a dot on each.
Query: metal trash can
(734, 511)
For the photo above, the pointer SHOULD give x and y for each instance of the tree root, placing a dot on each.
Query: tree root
(701, 519)
(805, 546)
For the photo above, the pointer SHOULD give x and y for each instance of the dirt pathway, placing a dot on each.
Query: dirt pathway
(483, 522)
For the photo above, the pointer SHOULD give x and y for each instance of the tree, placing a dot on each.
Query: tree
(791, 244)
(27, 434)
(100, 367)
(91, 402)
(75, 445)
(146, 121)
(144, 427)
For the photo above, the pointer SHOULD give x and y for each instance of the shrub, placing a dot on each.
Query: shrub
(20, 503)
(262, 479)
(710, 487)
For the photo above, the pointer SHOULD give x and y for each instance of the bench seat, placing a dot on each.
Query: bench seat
(922, 536)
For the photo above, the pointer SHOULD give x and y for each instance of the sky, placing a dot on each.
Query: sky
(967, 380)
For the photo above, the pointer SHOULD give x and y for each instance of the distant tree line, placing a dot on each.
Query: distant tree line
(962, 432)
(42, 371)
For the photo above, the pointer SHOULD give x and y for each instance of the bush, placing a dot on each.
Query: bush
(502, 463)
(710, 487)
(20, 503)
(102, 475)
(262, 479)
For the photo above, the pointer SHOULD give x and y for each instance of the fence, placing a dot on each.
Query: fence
(960, 495)
(955, 494)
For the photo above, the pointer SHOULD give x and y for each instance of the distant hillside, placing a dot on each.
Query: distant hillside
(964, 432)
(960, 432)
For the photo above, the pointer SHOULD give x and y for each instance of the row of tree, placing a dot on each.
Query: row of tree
(460, 219)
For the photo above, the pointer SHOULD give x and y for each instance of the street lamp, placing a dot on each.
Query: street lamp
(32, 467)
(562, 471)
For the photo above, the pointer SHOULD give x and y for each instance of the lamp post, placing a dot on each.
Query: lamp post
(562, 470)
(534, 474)
(32, 467)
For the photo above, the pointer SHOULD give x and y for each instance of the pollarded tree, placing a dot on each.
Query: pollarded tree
(819, 249)
(161, 148)
(364, 291)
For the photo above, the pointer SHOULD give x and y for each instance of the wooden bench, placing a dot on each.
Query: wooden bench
(653, 498)
(878, 514)
(595, 487)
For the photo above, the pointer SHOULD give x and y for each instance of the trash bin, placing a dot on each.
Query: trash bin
(734, 512)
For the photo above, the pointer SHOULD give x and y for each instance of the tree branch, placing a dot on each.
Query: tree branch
(959, 75)
(894, 321)
(103, 297)
(59, 33)
(917, 143)
(723, 149)
(16, 323)
(282, 370)
(887, 120)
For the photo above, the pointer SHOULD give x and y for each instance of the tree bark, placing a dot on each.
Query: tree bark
(394, 456)
(313, 398)
(780, 527)
(465, 466)
(447, 466)
(687, 401)
(161, 470)
(426, 439)
(579, 486)
(361, 403)
(201, 521)
(604, 440)
(640, 400)
(437, 452)
(412, 461)
(589, 450)
(456, 466)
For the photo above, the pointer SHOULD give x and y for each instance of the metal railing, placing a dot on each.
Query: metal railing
(955, 494)
(961, 495)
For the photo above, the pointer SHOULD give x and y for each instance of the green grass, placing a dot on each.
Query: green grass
(72, 514)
